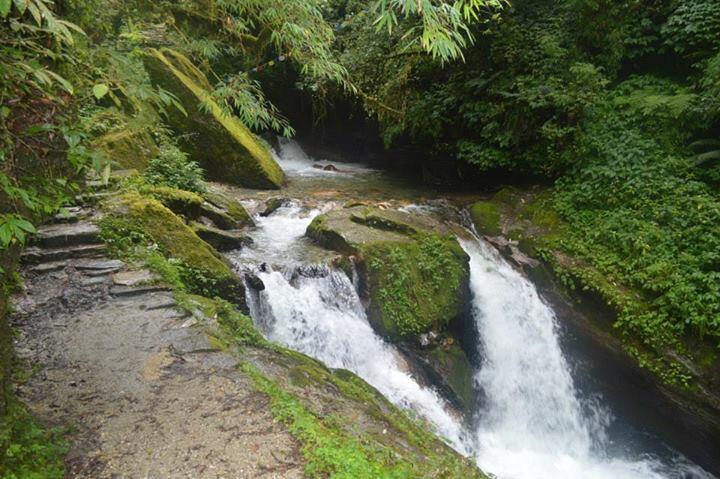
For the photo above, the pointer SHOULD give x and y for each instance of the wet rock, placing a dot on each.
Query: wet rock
(160, 301)
(273, 204)
(222, 240)
(220, 217)
(71, 214)
(129, 291)
(67, 234)
(231, 207)
(254, 281)
(49, 267)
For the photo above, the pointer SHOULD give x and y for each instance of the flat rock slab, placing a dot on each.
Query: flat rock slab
(35, 255)
(98, 264)
(70, 234)
(134, 278)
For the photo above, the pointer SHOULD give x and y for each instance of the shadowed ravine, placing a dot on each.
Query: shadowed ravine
(532, 421)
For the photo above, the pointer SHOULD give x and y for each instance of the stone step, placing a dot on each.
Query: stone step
(120, 291)
(67, 234)
(35, 255)
(71, 214)
(101, 264)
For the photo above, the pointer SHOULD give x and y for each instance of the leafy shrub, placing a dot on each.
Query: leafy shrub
(172, 167)
(639, 215)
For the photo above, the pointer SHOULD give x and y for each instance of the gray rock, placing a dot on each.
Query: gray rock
(98, 264)
(130, 291)
(134, 278)
(35, 255)
(67, 234)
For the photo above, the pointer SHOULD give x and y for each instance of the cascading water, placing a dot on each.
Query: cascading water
(316, 310)
(532, 423)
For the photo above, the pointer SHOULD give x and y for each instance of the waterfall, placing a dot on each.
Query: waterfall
(533, 423)
(316, 310)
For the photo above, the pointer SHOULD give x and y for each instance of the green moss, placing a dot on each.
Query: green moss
(225, 147)
(181, 202)
(486, 217)
(236, 328)
(415, 286)
(127, 148)
(134, 220)
(508, 195)
(458, 372)
(333, 449)
(235, 211)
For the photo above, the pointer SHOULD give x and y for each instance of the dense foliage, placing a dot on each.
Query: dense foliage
(616, 103)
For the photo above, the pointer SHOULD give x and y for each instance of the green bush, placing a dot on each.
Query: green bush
(172, 167)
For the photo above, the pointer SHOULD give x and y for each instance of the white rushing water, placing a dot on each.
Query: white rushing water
(533, 424)
(295, 162)
(317, 311)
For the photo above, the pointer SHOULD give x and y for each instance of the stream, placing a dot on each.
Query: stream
(532, 421)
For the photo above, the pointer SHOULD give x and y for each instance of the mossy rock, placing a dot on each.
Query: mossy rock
(486, 217)
(416, 274)
(457, 372)
(181, 202)
(220, 239)
(235, 215)
(219, 142)
(128, 149)
(206, 269)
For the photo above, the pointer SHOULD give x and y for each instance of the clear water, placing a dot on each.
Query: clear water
(532, 423)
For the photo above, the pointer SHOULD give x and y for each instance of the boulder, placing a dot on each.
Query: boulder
(227, 149)
(204, 266)
(415, 274)
(226, 212)
(222, 240)
(486, 217)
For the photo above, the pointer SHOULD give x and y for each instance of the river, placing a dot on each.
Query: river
(532, 422)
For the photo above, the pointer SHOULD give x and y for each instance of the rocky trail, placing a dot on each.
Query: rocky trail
(134, 376)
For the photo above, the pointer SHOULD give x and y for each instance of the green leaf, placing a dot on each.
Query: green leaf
(5, 6)
(100, 90)
(21, 6)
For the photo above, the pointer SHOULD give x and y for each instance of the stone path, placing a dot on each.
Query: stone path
(147, 394)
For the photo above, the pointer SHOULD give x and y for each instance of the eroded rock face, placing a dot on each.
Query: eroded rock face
(225, 147)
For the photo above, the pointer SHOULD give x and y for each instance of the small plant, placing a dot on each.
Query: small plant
(172, 167)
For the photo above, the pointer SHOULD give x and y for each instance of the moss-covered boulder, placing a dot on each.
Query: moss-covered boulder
(416, 273)
(181, 202)
(129, 149)
(204, 269)
(225, 147)
(486, 217)
(221, 240)
(233, 214)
